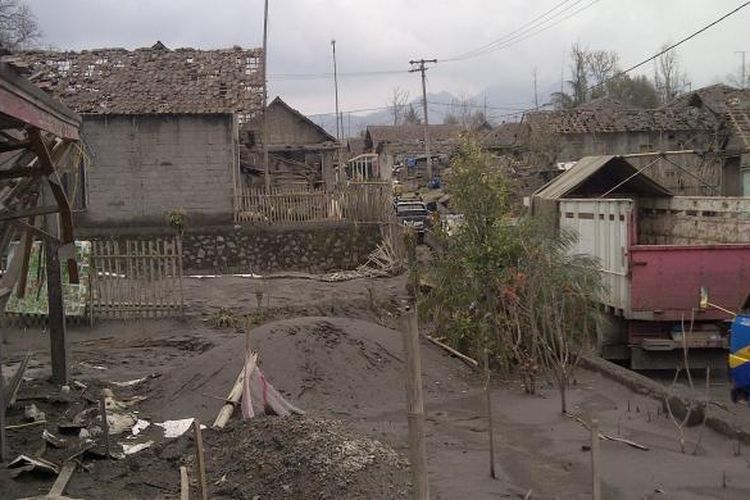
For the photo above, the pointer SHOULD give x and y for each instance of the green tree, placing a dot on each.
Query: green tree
(509, 284)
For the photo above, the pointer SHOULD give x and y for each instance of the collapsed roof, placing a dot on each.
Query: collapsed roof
(152, 80)
(584, 120)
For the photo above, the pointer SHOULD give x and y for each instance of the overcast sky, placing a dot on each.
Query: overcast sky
(380, 35)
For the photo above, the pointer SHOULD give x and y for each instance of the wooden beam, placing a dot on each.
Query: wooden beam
(56, 321)
(44, 235)
(14, 146)
(25, 103)
(30, 212)
(47, 163)
(18, 172)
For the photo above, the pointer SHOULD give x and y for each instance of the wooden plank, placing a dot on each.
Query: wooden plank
(184, 484)
(200, 460)
(58, 488)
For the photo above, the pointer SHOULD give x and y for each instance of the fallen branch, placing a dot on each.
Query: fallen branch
(22, 426)
(608, 437)
(461, 356)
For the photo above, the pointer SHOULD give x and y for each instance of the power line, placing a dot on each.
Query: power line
(530, 25)
(529, 34)
(524, 32)
(617, 75)
(671, 47)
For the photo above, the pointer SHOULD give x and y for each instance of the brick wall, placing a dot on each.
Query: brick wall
(146, 166)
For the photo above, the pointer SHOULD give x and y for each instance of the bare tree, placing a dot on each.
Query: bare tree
(18, 25)
(670, 79)
(602, 67)
(412, 116)
(398, 104)
(579, 80)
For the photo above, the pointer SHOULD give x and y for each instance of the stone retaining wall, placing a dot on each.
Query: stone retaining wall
(313, 248)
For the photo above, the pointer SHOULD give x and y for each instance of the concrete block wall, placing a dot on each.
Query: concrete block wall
(148, 165)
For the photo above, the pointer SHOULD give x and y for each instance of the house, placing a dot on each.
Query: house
(160, 127)
(403, 145)
(549, 141)
(300, 152)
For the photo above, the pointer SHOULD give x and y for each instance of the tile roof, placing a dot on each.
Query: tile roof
(582, 120)
(504, 135)
(412, 133)
(150, 80)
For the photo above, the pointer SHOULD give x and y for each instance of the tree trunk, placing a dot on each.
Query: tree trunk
(562, 385)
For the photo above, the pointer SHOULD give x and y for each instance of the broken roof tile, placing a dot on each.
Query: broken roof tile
(153, 80)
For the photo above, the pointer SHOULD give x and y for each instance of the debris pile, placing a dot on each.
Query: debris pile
(301, 457)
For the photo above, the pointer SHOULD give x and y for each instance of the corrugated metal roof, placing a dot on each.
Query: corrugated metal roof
(594, 176)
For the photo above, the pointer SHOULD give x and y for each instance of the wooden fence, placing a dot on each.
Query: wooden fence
(133, 279)
(361, 202)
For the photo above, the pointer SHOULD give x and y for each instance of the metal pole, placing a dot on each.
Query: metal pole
(266, 173)
(336, 91)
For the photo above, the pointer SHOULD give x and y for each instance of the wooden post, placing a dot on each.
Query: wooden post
(58, 341)
(105, 424)
(184, 484)
(596, 487)
(3, 442)
(415, 406)
(199, 460)
(490, 428)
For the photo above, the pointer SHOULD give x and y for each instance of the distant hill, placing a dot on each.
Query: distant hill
(503, 103)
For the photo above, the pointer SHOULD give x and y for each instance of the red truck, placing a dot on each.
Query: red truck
(656, 253)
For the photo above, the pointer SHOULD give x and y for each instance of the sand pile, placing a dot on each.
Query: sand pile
(301, 457)
(335, 365)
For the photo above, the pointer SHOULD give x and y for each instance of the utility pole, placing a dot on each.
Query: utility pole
(420, 65)
(744, 78)
(339, 123)
(536, 93)
(266, 173)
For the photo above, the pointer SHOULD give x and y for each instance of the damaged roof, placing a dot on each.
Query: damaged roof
(504, 135)
(412, 133)
(153, 80)
(608, 119)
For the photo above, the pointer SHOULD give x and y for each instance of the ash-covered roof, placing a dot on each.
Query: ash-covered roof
(609, 119)
(503, 136)
(152, 80)
(718, 98)
(412, 133)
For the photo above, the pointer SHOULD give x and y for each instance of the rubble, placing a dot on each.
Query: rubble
(302, 457)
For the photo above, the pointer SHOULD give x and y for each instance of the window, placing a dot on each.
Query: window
(745, 180)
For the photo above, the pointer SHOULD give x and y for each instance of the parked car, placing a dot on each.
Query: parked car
(413, 214)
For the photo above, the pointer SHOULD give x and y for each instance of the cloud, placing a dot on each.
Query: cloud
(386, 34)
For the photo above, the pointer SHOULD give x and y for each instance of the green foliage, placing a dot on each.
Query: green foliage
(177, 219)
(223, 318)
(511, 285)
(35, 299)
